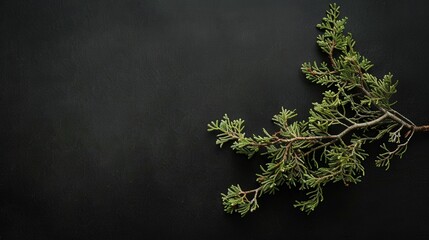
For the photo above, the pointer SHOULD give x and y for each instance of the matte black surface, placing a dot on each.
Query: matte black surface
(104, 106)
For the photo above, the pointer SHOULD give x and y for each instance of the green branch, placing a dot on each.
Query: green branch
(310, 154)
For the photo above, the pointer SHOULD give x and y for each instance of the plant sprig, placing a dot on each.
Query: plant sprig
(329, 146)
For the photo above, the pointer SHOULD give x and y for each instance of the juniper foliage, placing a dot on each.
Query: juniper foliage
(329, 146)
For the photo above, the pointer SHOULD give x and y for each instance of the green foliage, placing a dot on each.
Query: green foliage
(236, 200)
(329, 146)
(233, 131)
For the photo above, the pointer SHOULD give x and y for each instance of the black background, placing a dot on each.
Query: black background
(104, 106)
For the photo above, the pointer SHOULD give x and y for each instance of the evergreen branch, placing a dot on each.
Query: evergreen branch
(328, 147)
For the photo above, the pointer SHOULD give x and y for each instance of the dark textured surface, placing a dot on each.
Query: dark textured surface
(104, 106)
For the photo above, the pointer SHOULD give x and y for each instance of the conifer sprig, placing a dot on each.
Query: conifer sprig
(328, 147)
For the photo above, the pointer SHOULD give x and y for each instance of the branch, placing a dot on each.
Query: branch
(360, 104)
(424, 128)
(331, 54)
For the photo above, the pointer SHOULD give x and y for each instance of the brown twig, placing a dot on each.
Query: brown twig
(424, 128)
